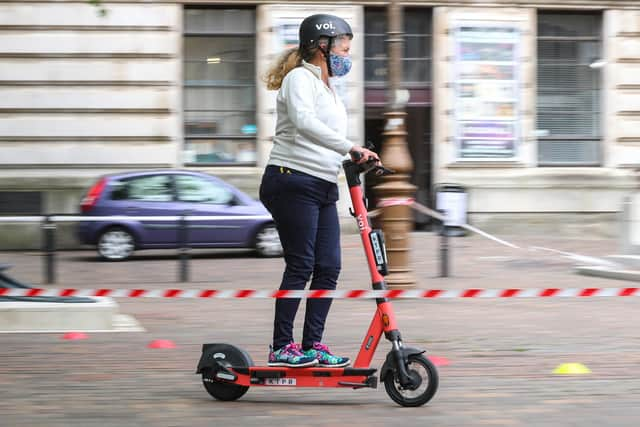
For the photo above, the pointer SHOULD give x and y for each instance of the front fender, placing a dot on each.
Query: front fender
(388, 365)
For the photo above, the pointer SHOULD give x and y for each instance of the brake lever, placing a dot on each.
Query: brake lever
(382, 171)
(378, 170)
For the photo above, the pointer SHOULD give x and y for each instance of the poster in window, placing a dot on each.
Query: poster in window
(486, 91)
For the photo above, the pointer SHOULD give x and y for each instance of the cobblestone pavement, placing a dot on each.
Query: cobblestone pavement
(502, 352)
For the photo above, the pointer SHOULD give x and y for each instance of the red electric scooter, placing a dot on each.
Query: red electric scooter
(410, 379)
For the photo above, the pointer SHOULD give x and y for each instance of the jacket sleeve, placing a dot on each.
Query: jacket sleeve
(299, 97)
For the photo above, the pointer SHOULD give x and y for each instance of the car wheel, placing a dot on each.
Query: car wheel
(267, 242)
(116, 244)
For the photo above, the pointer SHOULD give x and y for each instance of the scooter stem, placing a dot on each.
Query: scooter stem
(352, 173)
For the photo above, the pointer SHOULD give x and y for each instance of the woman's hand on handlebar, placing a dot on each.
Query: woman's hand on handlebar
(362, 155)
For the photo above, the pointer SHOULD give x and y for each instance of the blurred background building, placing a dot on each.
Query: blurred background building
(533, 107)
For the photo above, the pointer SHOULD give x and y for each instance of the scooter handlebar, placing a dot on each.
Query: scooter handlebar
(370, 165)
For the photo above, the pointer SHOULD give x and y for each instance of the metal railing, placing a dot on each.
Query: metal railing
(48, 229)
(48, 226)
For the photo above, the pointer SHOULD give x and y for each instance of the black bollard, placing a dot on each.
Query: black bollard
(49, 248)
(183, 240)
(444, 250)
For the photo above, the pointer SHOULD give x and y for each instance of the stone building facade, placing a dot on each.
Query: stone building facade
(544, 136)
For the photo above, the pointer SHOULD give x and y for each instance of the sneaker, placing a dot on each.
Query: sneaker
(291, 356)
(325, 357)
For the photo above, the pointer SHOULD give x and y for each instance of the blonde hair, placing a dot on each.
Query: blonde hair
(289, 60)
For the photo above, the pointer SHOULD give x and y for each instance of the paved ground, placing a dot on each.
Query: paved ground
(502, 352)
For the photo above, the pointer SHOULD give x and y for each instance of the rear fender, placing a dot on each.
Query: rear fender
(214, 357)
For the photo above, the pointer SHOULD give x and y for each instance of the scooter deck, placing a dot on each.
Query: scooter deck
(303, 377)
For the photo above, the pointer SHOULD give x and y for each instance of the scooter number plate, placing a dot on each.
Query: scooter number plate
(280, 381)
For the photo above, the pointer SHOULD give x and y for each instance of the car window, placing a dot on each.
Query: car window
(199, 190)
(155, 188)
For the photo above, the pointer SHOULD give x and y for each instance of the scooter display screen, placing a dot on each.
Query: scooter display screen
(379, 251)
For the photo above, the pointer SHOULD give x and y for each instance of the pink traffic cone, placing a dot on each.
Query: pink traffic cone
(75, 336)
(439, 361)
(162, 344)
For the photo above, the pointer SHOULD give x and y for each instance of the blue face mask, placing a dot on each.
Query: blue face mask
(340, 65)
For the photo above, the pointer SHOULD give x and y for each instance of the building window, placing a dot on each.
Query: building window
(568, 104)
(375, 48)
(416, 60)
(219, 86)
(20, 203)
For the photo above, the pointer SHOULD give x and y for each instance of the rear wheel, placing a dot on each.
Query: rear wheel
(267, 242)
(222, 390)
(116, 244)
(425, 377)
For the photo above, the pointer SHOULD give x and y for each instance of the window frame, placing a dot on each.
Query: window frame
(597, 112)
(420, 89)
(190, 138)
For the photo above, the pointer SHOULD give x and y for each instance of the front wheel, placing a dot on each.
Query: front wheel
(425, 377)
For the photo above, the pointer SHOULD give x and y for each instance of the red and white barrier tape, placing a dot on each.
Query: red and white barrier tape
(395, 201)
(439, 216)
(348, 294)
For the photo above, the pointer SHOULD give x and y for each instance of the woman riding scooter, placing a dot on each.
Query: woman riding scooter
(299, 183)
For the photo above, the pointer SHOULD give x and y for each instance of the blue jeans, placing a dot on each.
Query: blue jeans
(304, 210)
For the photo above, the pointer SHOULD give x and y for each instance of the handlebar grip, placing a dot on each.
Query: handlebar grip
(356, 155)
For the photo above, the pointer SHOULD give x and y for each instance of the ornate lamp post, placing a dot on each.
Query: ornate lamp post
(397, 221)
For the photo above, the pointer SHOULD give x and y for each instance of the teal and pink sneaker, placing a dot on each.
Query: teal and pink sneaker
(325, 357)
(290, 356)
